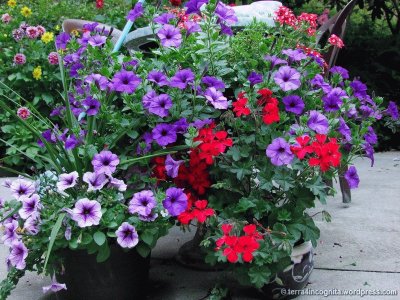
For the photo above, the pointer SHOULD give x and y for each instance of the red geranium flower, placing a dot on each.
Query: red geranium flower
(239, 107)
(303, 148)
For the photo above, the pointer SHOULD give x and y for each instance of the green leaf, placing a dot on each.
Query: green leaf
(148, 238)
(143, 249)
(86, 238)
(99, 237)
(53, 236)
(259, 276)
(244, 205)
(104, 253)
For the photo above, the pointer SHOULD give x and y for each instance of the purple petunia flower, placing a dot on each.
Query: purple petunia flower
(147, 138)
(97, 40)
(95, 181)
(216, 98)
(142, 203)
(68, 233)
(318, 122)
(164, 134)
(172, 166)
(200, 123)
(127, 236)
(255, 78)
(319, 82)
(210, 81)
(170, 36)
(392, 110)
(57, 111)
(149, 98)
(369, 152)
(192, 27)
(193, 6)
(275, 60)
(225, 13)
(160, 105)
(352, 177)
(105, 162)
(279, 152)
(62, 40)
(158, 78)
(341, 71)
(150, 218)
(66, 181)
(182, 78)
(30, 206)
(10, 233)
(359, 89)
(117, 184)
(18, 254)
(181, 125)
(226, 29)
(175, 201)
(164, 18)
(294, 104)
(54, 287)
(32, 224)
(136, 12)
(331, 102)
(71, 142)
(344, 130)
(287, 78)
(22, 188)
(99, 80)
(294, 55)
(92, 106)
(87, 212)
(125, 82)
(371, 137)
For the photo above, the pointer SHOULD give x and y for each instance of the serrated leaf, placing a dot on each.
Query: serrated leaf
(259, 276)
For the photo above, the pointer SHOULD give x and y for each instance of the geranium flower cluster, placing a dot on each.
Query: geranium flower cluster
(239, 248)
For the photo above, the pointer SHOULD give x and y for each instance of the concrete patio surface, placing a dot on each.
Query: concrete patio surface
(359, 249)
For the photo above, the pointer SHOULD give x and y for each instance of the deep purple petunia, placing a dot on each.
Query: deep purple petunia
(275, 60)
(216, 98)
(150, 218)
(318, 122)
(125, 82)
(366, 111)
(90, 26)
(341, 71)
(170, 36)
(62, 40)
(30, 206)
(87, 212)
(127, 236)
(71, 142)
(359, 89)
(149, 98)
(225, 13)
(160, 105)
(369, 152)
(371, 137)
(175, 201)
(294, 104)
(92, 106)
(352, 177)
(255, 78)
(319, 82)
(97, 79)
(294, 55)
(105, 162)
(22, 188)
(97, 40)
(136, 12)
(164, 18)
(182, 78)
(331, 102)
(118, 184)
(352, 112)
(344, 130)
(66, 181)
(201, 123)
(54, 287)
(181, 125)
(192, 27)
(10, 233)
(279, 152)
(142, 203)
(164, 134)
(158, 78)
(172, 166)
(193, 6)
(210, 81)
(18, 254)
(392, 110)
(226, 30)
(147, 140)
(287, 78)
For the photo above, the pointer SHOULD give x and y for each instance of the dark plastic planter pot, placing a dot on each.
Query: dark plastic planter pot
(124, 276)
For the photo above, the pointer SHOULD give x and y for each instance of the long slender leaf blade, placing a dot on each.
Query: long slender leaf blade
(53, 237)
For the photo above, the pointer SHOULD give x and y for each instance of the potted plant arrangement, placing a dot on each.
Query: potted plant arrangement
(236, 133)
